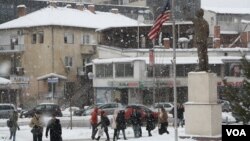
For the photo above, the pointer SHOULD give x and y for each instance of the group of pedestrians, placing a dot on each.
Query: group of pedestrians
(119, 123)
(37, 125)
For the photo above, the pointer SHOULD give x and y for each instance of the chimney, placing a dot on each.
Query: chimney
(91, 8)
(166, 42)
(217, 36)
(114, 10)
(21, 10)
(79, 6)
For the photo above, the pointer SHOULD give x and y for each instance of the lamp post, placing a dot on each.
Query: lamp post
(91, 77)
(140, 19)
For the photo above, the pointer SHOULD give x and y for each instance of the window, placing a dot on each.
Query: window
(40, 37)
(86, 39)
(233, 69)
(33, 38)
(124, 70)
(68, 61)
(160, 71)
(68, 38)
(183, 70)
(215, 68)
(104, 70)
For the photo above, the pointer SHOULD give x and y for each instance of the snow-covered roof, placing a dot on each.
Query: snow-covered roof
(159, 60)
(4, 81)
(63, 16)
(227, 6)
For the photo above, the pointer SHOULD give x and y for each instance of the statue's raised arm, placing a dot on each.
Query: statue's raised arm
(201, 33)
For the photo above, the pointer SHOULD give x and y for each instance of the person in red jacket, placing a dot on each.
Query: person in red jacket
(94, 122)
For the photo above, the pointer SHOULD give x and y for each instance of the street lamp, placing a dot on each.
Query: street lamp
(91, 77)
(140, 19)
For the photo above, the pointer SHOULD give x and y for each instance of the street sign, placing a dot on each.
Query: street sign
(53, 80)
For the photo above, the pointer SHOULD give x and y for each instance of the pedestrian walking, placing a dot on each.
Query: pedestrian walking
(104, 123)
(163, 121)
(13, 125)
(114, 125)
(136, 122)
(37, 125)
(180, 115)
(121, 124)
(55, 129)
(150, 123)
(93, 122)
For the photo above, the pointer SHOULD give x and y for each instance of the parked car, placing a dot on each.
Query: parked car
(108, 108)
(6, 109)
(45, 108)
(66, 111)
(143, 110)
(167, 105)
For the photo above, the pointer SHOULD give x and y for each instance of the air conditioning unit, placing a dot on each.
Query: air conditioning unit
(81, 73)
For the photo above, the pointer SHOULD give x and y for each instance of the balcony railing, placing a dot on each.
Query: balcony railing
(10, 48)
(88, 49)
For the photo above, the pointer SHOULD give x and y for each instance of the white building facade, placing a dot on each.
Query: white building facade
(128, 74)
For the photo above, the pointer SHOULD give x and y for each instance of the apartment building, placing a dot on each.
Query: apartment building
(49, 46)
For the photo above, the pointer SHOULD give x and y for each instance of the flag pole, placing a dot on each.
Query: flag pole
(174, 71)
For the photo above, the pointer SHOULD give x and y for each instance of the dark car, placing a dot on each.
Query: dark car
(142, 109)
(46, 109)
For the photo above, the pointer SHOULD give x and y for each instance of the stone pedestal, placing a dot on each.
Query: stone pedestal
(202, 112)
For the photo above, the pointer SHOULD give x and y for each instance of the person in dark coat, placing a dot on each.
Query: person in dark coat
(104, 123)
(55, 129)
(150, 123)
(121, 124)
(136, 122)
(180, 116)
(14, 125)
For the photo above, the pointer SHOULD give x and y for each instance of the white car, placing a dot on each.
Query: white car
(167, 105)
(66, 111)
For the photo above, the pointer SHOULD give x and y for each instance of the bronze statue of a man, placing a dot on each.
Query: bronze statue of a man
(201, 33)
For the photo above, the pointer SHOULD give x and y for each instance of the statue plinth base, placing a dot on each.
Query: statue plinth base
(202, 113)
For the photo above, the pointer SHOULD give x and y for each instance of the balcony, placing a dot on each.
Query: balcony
(11, 49)
(88, 49)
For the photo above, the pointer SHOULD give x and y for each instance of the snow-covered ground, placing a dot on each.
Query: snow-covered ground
(85, 132)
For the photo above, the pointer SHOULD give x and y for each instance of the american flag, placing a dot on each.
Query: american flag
(164, 16)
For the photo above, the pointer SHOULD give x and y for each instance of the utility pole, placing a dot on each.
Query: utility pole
(174, 71)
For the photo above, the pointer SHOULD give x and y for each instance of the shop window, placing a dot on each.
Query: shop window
(215, 68)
